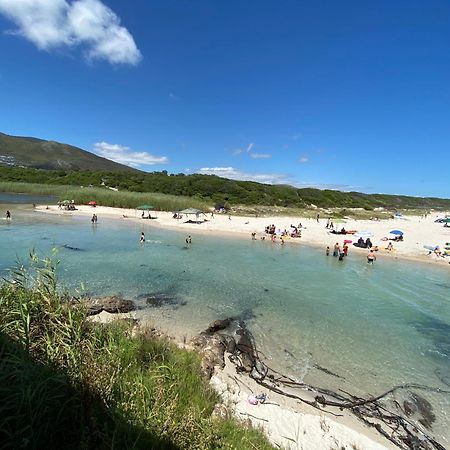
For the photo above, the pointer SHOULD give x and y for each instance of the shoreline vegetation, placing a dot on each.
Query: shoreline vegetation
(213, 189)
(66, 382)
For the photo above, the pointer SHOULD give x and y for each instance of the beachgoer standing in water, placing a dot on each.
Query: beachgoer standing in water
(327, 251)
(142, 239)
(345, 249)
(8, 215)
(336, 249)
(371, 257)
(189, 240)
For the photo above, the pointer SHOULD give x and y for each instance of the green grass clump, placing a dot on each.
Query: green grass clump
(66, 383)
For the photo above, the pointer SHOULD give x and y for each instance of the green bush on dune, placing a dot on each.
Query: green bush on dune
(65, 383)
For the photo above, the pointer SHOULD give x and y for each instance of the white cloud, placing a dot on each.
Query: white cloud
(173, 97)
(269, 178)
(124, 155)
(260, 155)
(303, 159)
(238, 151)
(250, 146)
(90, 24)
(236, 174)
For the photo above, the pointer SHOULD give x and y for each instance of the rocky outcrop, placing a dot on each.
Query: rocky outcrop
(235, 339)
(113, 305)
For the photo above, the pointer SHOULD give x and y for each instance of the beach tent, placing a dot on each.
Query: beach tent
(193, 211)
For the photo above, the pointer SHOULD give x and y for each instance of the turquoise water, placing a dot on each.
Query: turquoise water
(374, 326)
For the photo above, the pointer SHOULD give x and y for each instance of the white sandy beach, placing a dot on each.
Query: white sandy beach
(417, 230)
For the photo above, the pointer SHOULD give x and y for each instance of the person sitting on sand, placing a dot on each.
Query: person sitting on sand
(390, 247)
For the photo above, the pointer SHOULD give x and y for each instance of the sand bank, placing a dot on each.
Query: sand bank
(418, 231)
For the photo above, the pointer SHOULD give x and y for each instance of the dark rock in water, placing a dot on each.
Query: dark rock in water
(245, 315)
(328, 372)
(217, 325)
(75, 249)
(415, 404)
(156, 300)
(112, 305)
(266, 290)
(289, 353)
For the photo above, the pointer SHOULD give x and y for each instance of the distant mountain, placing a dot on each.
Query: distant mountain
(40, 154)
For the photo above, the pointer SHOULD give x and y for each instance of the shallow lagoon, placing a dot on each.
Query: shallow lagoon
(373, 326)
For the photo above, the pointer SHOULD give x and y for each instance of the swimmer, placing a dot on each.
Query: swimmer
(189, 240)
(142, 239)
(371, 257)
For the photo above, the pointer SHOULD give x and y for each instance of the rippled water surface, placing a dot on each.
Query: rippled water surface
(371, 326)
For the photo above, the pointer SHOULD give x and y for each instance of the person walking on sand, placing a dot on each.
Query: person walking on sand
(371, 257)
(318, 217)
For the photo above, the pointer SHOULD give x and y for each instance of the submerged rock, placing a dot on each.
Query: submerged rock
(416, 405)
(218, 325)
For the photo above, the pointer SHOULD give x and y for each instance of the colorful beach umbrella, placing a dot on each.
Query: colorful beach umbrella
(397, 232)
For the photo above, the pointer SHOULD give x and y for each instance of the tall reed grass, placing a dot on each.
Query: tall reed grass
(67, 383)
(106, 197)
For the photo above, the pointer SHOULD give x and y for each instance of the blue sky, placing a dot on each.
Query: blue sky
(349, 95)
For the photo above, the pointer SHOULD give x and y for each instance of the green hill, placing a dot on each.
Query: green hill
(40, 154)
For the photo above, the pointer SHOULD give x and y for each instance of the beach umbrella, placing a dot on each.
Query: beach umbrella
(397, 232)
(144, 207)
(193, 211)
(65, 202)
